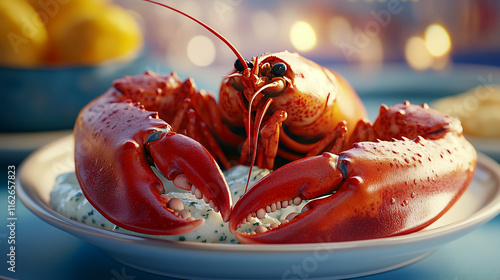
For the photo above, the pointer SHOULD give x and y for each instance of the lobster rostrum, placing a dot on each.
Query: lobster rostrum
(393, 177)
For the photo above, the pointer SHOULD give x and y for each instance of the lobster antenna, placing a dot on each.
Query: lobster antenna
(255, 138)
(217, 34)
(240, 58)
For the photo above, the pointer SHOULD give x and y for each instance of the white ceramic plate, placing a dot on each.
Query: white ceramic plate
(480, 203)
(16, 146)
(489, 146)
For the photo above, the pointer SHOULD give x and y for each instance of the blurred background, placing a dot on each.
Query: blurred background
(57, 55)
(424, 34)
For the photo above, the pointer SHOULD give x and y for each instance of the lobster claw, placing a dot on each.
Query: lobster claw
(300, 180)
(121, 185)
(376, 193)
(192, 168)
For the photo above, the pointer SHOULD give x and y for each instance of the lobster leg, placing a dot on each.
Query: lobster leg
(373, 190)
(116, 143)
(267, 147)
(270, 134)
(206, 106)
(205, 124)
(336, 139)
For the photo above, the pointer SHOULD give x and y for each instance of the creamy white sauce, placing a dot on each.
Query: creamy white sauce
(67, 199)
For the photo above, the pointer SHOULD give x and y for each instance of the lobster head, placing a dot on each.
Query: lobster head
(283, 77)
(314, 98)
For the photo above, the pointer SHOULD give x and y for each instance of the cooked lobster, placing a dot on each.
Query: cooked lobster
(400, 175)
(277, 111)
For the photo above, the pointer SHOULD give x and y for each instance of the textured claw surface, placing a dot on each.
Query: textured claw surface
(396, 185)
(393, 177)
(188, 164)
(290, 184)
(117, 140)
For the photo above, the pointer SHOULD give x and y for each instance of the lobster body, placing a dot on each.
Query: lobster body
(395, 176)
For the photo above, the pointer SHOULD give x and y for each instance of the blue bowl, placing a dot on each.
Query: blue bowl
(47, 99)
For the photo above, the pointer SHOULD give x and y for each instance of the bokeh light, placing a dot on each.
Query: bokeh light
(437, 40)
(201, 50)
(303, 36)
(417, 55)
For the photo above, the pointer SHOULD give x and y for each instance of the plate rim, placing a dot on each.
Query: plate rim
(36, 204)
(31, 140)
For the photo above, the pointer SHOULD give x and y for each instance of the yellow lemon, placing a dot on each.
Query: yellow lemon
(97, 37)
(57, 14)
(23, 36)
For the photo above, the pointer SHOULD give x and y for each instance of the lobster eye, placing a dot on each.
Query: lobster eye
(239, 67)
(279, 69)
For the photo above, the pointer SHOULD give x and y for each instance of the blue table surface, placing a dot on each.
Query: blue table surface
(45, 252)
